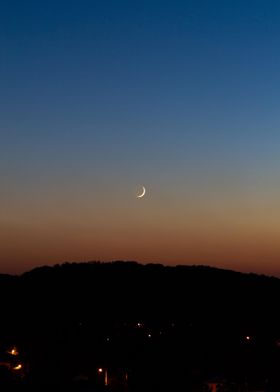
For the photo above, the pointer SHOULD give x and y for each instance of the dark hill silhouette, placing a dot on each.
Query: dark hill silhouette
(128, 291)
(131, 291)
(70, 315)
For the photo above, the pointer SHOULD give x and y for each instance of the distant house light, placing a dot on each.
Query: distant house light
(13, 351)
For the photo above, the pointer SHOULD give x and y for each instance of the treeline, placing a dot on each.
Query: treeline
(128, 291)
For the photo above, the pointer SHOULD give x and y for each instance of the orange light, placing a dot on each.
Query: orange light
(18, 367)
(100, 370)
(248, 338)
(13, 351)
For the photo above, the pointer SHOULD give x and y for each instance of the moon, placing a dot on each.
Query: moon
(142, 194)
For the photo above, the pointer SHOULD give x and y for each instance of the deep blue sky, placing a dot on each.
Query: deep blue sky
(100, 97)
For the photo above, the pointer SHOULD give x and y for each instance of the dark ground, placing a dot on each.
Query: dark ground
(152, 327)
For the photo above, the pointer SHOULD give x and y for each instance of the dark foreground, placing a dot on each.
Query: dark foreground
(127, 327)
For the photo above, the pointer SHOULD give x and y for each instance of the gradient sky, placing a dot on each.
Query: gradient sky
(98, 98)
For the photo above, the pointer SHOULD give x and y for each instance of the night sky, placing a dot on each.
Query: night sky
(100, 98)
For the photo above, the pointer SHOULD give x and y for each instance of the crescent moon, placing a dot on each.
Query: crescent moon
(142, 193)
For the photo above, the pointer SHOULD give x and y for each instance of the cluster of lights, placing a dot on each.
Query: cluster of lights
(14, 352)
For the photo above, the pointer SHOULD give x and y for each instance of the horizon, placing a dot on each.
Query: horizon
(138, 262)
(140, 131)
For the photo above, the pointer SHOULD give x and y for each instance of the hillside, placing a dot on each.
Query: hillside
(143, 317)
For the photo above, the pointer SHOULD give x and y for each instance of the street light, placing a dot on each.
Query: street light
(105, 371)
